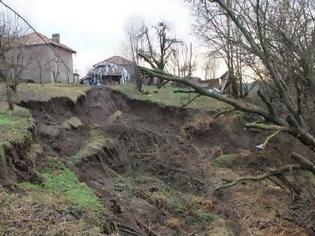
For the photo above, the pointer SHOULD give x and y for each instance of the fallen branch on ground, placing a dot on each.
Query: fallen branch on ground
(268, 139)
(263, 126)
(303, 164)
(184, 91)
(128, 230)
(146, 228)
(274, 172)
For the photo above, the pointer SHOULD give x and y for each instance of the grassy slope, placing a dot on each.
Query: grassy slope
(14, 126)
(166, 96)
(37, 92)
(62, 205)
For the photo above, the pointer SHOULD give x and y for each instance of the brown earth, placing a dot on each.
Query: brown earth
(154, 169)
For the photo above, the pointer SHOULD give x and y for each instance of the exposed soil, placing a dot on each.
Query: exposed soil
(17, 168)
(150, 161)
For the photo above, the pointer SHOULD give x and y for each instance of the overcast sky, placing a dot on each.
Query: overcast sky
(96, 28)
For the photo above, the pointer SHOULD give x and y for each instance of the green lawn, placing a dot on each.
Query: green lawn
(65, 183)
(14, 126)
(45, 92)
(62, 205)
(166, 96)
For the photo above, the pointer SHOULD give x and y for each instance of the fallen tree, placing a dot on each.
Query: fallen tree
(277, 41)
(271, 122)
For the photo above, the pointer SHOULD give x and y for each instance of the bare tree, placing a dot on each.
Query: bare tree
(278, 37)
(40, 67)
(183, 61)
(55, 69)
(219, 32)
(159, 46)
(210, 67)
(132, 47)
(12, 61)
(134, 40)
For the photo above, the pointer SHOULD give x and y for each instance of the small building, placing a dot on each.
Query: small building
(46, 59)
(114, 70)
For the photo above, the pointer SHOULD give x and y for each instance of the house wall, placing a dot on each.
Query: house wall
(41, 63)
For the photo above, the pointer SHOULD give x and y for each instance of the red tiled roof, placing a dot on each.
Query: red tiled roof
(34, 39)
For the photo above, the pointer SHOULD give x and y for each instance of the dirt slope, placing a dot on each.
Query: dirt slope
(155, 167)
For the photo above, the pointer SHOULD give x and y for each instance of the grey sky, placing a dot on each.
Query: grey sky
(95, 28)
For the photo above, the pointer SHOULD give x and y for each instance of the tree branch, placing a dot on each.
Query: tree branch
(269, 138)
(273, 172)
(263, 126)
(303, 164)
(238, 104)
(191, 100)
(303, 161)
(184, 91)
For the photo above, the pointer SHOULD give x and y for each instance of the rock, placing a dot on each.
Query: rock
(49, 130)
(73, 123)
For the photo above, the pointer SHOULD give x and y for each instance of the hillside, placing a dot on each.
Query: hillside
(94, 161)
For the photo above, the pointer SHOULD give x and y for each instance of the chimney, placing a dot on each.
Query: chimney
(56, 38)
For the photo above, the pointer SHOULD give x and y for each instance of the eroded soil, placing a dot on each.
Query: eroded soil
(155, 167)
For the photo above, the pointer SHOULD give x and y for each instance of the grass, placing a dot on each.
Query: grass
(61, 206)
(64, 183)
(225, 161)
(203, 217)
(96, 142)
(14, 126)
(45, 92)
(178, 202)
(166, 96)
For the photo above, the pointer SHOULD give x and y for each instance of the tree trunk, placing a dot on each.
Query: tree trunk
(234, 86)
(10, 95)
(151, 81)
